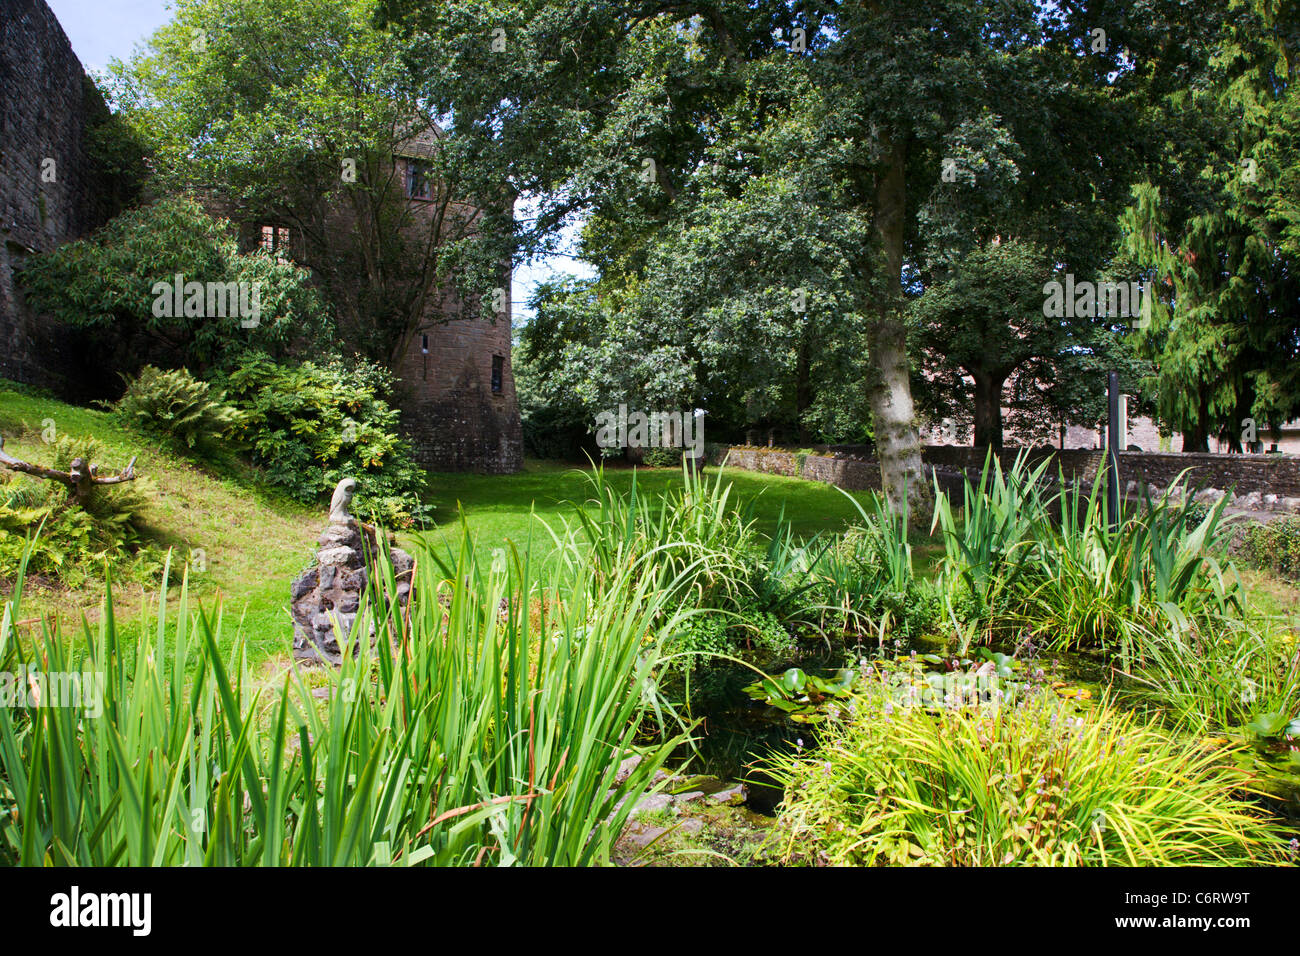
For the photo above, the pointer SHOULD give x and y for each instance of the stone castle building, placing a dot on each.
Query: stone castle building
(52, 188)
(456, 387)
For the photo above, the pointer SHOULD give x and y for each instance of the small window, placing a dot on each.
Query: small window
(417, 179)
(498, 372)
(275, 240)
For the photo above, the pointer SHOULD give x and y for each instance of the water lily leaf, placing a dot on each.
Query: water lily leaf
(1269, 725)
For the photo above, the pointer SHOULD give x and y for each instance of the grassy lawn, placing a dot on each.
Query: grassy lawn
(511, 507)
(254, 540)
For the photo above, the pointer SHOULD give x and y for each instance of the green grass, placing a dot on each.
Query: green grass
(254, 540)
(500, 507)
(487, 725)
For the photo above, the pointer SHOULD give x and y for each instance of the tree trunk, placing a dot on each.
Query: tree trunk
(802, 389)
(988, 409)
(1196, 440)
(898, 445)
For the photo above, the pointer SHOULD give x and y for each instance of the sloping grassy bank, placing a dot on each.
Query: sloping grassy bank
(250, 541)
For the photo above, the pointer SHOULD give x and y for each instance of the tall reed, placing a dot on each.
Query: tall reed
(485, 725)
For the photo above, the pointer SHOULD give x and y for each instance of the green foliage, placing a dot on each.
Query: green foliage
(867, 575)
(313, 130)
(476, 732)
(1078, 582)
(175, 406)
(112, 279)
(1225, 675)
(1216, 226)
(71, 544)
(990, 551)
(987, 345)
(1110, 589)
(693, 530)
(1275, 545)
(662, 457)
(1031, 784)
(313, 424)
(802, 695)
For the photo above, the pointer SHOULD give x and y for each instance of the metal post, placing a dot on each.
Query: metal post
(1112, 450)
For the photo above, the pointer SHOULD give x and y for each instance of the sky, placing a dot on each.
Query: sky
(102, 29)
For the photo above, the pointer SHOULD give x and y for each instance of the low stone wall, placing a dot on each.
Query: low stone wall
(852, 467)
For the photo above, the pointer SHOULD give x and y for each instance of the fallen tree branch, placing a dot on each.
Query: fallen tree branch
(81, 478)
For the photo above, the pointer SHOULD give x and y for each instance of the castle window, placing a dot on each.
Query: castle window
(498, 372)
(417, 179)
(275, 240)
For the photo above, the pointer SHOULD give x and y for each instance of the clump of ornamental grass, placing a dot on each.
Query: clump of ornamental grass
(486, 725)
(1038, 783)
(1224, 674)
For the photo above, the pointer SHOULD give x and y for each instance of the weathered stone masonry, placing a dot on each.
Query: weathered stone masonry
(47, 107)
(457, 420)
(854, 469)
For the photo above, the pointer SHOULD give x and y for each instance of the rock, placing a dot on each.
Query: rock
(1270, 502)
(1253, 501)
(325, 598)
(656, 801)
(687, 797)
(731, 796)
(641, 835)
(1291, 505)
(625, 769)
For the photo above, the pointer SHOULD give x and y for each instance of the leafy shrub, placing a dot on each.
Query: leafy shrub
(75, 542)
(1274, 545)
(748, 633)
(176, 406)
(699, 637)
(662, 457)
(314, 424)
(1025, 784)
(107, 281)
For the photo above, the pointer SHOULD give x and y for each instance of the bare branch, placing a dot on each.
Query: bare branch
(80, 478)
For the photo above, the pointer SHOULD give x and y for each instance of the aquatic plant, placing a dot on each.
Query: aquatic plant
(1038, 783)
(1226, 674)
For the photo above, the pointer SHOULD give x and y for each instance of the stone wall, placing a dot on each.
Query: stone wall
(853, 468)
(50, 188)
(454, 418)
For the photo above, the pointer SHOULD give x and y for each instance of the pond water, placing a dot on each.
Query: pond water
(736, 731)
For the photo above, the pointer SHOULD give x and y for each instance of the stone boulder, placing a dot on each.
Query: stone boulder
(325, 598)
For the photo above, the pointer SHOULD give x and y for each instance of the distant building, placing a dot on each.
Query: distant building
(457, 387)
